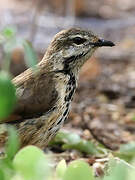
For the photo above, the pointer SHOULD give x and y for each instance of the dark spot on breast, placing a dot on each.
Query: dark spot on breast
(72, 80)
(52, 125)
(69, 96)
(60, 121)
(50, 128)
(65, 113)
(67, 105)
(68, 89)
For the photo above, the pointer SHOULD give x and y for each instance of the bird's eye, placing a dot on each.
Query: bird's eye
(78, 40)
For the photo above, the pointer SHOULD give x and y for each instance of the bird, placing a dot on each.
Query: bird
(44, 95)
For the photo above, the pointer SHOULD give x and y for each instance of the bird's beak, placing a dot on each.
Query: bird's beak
(102, 42)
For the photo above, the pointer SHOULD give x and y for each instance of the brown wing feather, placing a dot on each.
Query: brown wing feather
(36, 95)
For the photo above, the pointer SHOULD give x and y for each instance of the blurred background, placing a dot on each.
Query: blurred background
(106, 92)
(39, 20)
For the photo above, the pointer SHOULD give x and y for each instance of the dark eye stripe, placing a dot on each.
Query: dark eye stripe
(78, 40)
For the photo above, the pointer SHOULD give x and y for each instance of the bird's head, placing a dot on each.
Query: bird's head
(71, 48)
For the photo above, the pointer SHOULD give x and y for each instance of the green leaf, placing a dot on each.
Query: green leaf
(131, 171)
(2, 39)
(6, 168)
(133, 118)
(10, 45)
(31, 163)
(61, 168)
(68, 138)
(128, 148)
(1, 175)
(7, 95)
(79, 170)
(73, 141)
(12, 144)
(9, 31)
(30, 54)
(126, 151)
(118, 170)
(83, 146)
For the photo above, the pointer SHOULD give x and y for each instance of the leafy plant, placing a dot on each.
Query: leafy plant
(30, 163)
(73, 141)
(9, 41)
(7, 95)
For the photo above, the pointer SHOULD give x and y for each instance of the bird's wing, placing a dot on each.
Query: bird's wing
(36, 95)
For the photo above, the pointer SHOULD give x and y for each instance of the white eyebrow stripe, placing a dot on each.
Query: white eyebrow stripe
(77, 35)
